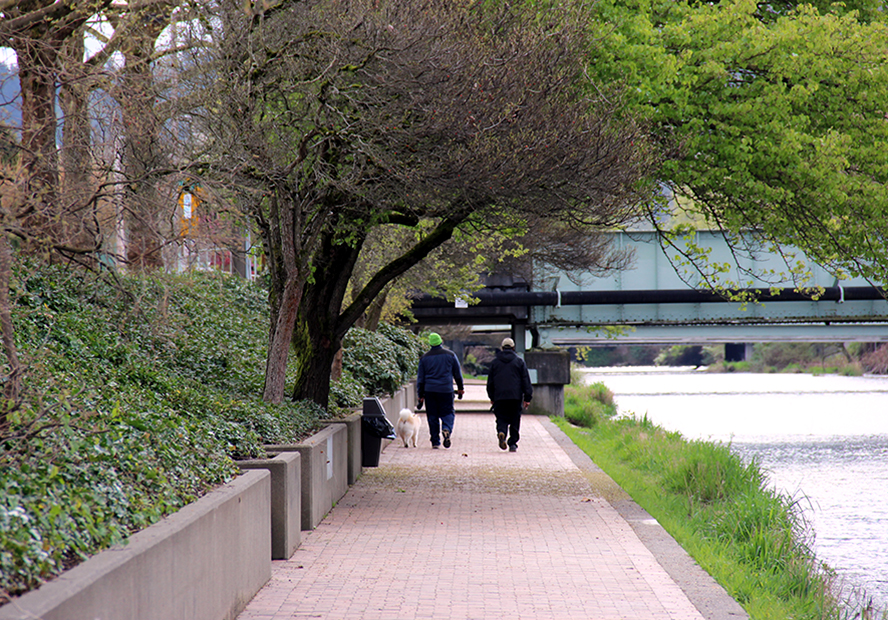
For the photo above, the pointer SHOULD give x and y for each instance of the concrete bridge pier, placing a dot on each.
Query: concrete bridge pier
(518, 333)
(552, 370)
(738, 352)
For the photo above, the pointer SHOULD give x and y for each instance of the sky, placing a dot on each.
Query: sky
(7, 57)
(93, 45)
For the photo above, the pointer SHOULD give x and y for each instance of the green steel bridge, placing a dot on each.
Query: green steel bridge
(656, 302)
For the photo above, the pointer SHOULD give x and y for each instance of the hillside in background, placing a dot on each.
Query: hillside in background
(139, 394)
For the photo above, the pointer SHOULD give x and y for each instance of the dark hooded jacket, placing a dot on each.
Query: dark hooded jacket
(438, 369)
(508, 378)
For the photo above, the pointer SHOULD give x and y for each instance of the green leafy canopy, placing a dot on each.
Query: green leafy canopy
(772, 123)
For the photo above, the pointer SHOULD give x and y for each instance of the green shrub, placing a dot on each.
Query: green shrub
(410, 347)
(781, 354)
(586, 415)
(796, 357)
(853, 370)
(141, 392)
(601, 393)
(578, 393)
(731, 367)
(765, 528)
(684, 355)
(83, 484)
(381, 361)
(347, 392)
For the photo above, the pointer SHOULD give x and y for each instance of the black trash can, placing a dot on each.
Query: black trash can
(374, 428)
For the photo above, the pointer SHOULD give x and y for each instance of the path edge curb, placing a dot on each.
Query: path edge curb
(705, 593)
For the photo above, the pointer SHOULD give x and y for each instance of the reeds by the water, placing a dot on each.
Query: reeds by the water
(585, 405)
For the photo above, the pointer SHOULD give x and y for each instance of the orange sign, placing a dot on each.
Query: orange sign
(188, 224)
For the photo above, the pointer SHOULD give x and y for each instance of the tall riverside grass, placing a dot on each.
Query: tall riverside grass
(585, 405)
(750, 538)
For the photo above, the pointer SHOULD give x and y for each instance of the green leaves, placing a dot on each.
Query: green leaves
(772, 123)
(382, 361)
(137, 398)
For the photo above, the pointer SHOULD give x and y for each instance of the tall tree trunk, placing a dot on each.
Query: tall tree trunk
(80, 219)
(336, 368)
(280, 233)
(319, 331)
(37, 179)
(315, 353)
(280, 340)
(12, 387)
(373, 315)
(323, 322)
(143, 152)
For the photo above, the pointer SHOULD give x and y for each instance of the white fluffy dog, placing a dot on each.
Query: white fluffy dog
(407, 428)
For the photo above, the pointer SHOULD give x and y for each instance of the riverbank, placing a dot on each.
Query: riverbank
(751, 538)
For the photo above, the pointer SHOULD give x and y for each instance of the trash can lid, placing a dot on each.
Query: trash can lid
(373, 407)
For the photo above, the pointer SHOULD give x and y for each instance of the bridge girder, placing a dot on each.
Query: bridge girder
(656, 305)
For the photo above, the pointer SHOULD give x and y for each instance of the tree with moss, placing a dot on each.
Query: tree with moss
(333, 119)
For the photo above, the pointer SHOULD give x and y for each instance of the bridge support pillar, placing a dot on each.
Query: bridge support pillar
(519, 335)
(552, 374)
(737, 352)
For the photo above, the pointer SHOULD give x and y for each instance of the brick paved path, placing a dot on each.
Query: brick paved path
(472, 532)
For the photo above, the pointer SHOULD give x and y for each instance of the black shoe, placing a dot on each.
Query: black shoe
(502, 440)
(434, 446)
(513, 448)
(446, 438)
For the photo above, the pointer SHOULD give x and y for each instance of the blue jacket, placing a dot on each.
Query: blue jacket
(438, 369)
(508, 378)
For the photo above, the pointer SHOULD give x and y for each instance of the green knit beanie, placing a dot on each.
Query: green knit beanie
(435, 339)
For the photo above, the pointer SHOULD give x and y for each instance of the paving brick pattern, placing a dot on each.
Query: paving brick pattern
(472, 532)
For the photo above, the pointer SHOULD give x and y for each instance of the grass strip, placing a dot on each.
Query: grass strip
(752, 539)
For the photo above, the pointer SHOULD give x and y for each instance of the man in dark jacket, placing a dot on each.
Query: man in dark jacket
(438, 369)
(510, 391)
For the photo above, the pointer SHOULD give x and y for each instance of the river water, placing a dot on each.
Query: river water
(821, 439)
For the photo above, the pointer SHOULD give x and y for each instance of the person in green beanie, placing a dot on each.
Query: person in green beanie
(438, 369)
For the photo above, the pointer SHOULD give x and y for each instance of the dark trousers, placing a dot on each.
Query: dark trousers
(508, 419)
(439, 414)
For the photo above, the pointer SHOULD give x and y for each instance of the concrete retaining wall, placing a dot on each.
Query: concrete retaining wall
(286, 501)
(553, 366)
(324, 471)
(204, 562)
(353, 428)
(405, 398)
